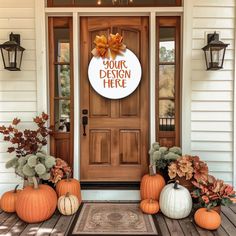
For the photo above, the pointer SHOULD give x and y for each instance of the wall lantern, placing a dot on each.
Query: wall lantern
(12, 53)
(214, 52)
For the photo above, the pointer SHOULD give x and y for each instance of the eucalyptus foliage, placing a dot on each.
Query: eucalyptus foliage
(38, 165)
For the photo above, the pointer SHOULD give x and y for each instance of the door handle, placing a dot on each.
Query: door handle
(84, 122)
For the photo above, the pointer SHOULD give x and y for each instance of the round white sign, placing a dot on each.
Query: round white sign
(117, 78)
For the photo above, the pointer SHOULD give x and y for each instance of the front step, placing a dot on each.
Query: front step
(110, 195)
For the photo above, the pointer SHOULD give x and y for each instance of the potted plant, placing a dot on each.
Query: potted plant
(30, 160)
(33, 165)
(161, 157)
(212, 193)
(187, 168)
(60, 171)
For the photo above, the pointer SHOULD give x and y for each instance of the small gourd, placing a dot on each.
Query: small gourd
(8, 200)
(69, 185)
(149, 206)
(207, 219)
(175, 201)
(68, 204)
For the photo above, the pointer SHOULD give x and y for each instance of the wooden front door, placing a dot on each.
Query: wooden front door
(116, 144)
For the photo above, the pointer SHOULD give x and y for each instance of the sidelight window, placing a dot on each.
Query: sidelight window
(167, 83)
(61, 86)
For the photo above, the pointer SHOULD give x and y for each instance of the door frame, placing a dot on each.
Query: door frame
(42, 13)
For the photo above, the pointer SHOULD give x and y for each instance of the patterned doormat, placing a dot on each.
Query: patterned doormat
(113, 219)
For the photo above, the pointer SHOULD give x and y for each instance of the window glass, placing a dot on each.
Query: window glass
(167, 81)
(62, 45)
(62, 115)
(116, 3)
(62, 81)
(166, 115)
(167, 45)
(62, 2)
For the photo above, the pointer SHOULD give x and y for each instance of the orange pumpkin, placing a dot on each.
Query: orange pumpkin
(207, 219)
(36, 203)
(151, 185)
(69, 185)
(8, 200)
(149, 206)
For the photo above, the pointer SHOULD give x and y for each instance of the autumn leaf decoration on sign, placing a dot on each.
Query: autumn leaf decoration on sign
(108, 47)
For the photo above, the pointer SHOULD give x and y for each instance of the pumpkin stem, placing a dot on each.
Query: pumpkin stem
(151, 170)
(36, 185)
(67, 194)
(67, 177)
(176, 184)
(15, 190)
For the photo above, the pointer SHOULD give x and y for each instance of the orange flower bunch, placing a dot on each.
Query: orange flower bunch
(188, 167)
(213, 192)
(112, 46)
(60, 170)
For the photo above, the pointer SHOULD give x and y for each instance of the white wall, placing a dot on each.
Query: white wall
(18, 96)
(212, 91)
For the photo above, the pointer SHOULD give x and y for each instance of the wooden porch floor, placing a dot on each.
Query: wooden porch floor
(59, 225)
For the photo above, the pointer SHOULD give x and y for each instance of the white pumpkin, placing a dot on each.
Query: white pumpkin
(175, 201)
(68, 204)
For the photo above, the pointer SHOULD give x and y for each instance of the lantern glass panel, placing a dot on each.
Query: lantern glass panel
(19, 54)
(216, 58)
(5, 57)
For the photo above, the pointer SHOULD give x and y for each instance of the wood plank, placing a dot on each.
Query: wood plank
(174, 227)
(213, 126)
(233, 208)
(188, 227)
(212, 136)
(47, 226)
(203, 23)
(213, 12)
(17, 85)
(17, 228)
(229, 214)
(215, 3)
(214, 156)
(212, 85)
(62, 225)
(212, 106)
(220, 232)
(210, 146)
(203, 232)
(7, 224)
(68, 228)
(31, 229)
(4, 216)
(162, 225)
(18, 4)
(227, 225)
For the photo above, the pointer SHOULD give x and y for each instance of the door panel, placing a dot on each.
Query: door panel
(115, 147)
(130, 146)
(100, 147)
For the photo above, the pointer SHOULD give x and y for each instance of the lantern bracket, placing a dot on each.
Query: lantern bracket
(14, 37)
(213, 37)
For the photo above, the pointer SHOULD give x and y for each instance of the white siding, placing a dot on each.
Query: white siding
(18, 92)
(213, 91)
